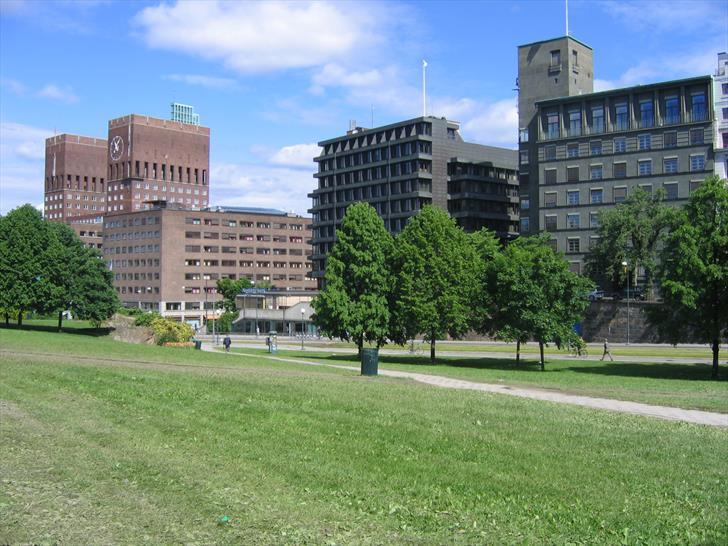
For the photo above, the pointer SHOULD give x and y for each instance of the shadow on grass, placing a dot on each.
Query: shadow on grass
(93, 332)
(684, 372)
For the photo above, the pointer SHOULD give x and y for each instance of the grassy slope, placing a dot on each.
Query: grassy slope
(314, 455)
(680, 385)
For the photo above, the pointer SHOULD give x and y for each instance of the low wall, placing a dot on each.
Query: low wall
(609, 319)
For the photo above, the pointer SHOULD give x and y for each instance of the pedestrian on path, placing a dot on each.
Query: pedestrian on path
(606, 351)
(226, 343)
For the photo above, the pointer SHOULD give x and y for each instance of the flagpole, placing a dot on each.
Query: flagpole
(567, 17)
(424, 92)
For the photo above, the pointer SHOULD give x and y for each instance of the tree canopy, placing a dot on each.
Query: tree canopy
(436, 268)
(630, 232)
(694, 271)
(229, 289)
(354, 303)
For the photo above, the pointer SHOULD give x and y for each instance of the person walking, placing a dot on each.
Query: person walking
(226, 343)
(606, 351)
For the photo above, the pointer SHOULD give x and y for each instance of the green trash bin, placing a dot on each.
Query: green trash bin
(369, 361)
(198, 344)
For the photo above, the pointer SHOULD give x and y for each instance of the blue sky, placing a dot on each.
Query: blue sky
(273, 78)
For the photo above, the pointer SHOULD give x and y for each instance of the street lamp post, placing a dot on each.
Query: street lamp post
(303, 313)
(626, 269)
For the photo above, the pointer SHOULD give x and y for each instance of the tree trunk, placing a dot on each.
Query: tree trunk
(716, 349)
(60, 320)
(20, 318)
(7, 318)
(518, 351)
(359, 347)
(432, 350)
(540, 348)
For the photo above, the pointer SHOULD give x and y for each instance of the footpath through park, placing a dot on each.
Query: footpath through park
(635, 408)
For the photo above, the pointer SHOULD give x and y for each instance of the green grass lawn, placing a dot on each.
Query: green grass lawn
(681, 385)
(111, 443)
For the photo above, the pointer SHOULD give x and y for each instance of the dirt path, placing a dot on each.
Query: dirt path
(635, 408)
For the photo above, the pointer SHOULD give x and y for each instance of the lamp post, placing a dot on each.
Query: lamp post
(303, 313)
(626, 269)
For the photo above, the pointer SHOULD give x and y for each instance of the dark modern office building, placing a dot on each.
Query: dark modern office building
(582, 152)
(402, 167)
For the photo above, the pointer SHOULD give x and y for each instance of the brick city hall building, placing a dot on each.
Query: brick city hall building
(141, 196)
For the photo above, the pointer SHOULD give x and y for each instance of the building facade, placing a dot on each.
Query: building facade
(720, 96)
(75, 177)
(584, 152)
(400, 168)
(168, 258)
(152, 159)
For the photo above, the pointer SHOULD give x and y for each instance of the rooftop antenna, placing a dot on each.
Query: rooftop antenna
(567, 17)
(424, 92)
(372, 116)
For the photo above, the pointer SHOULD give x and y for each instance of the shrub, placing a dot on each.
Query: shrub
(170, 331)
(146, 319)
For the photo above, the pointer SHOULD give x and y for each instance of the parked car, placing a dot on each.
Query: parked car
(634, 293)
(595, 295)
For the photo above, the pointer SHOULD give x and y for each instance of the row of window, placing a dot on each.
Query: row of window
(619, 194)
(130, 235)
(403, 168)
(196, 221)
(231, 236)
(376, 155)
(644, 167)
(371, 139)
(162, 172)
(373, 192)
(137, 249)
(195, 276)
(89, 184)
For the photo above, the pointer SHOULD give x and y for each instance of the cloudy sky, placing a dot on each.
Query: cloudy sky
(271, 79)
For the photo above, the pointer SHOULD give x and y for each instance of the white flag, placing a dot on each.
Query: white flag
(424, 63)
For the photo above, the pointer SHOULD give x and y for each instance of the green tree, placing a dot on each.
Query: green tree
(24, 239)
(94, 297)
(353, 304)
(694, 271)
(488, 249)
(537, 296)
(230, 289)
(436, 266)
(630, 232)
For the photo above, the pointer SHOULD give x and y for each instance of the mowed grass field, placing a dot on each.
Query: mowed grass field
(105, 443)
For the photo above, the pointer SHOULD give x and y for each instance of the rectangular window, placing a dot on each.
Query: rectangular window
(572, 150)
(644, 142)
(647, 117)
(552, 128)
(595, 147)
(550, 223)
(523, 155)
(647, 188)
(573, 244)
(698, 104)
(596, 172)
(621, 116)
(549, 199)
(596, 196)
(672, 110)
(697, 136)
(525, 224)
(694, 185)
(620, 145)
(575, 123)
(572, 197)
(555, 59)
(573, 221)
(697, 162)
(525, 203)
(620, 170)
(670, 191)
(572, 174)
(620, 194)
(645, 167)
(549, 176)
(669, 139)
(549, 152)
(594, 220)
(725, 113)
(597, 126)
(669, 165)
(724, 88)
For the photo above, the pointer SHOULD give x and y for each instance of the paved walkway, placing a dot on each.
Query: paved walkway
(636, 408)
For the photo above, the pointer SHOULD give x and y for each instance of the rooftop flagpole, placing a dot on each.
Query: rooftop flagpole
(567, 17)
(424, 92)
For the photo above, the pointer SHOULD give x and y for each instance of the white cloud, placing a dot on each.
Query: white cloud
(53, 92)
(297, 155)
(261, 186)
(496, 124)
(201, 80)
(334, 74)
(22, 152)
(14, 86)
(252, 37)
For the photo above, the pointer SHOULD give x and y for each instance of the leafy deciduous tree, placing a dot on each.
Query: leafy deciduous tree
(694, 271)
(354, 302)
(437, 269)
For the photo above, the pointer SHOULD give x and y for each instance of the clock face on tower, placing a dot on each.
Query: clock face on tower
(116, 148)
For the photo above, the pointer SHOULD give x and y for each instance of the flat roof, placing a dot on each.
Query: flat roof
(622, 90)
(244, 210)
(362, 131)
(553, 40)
